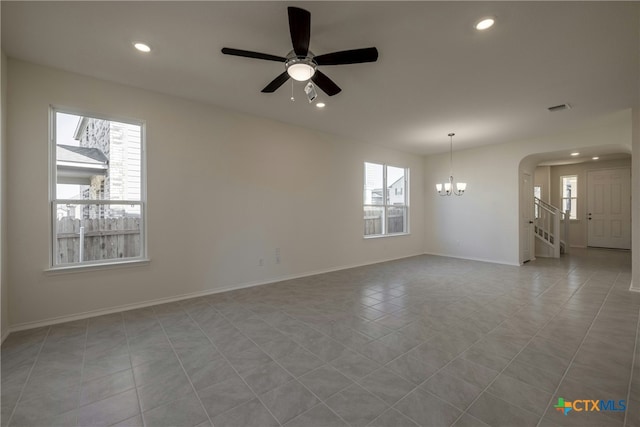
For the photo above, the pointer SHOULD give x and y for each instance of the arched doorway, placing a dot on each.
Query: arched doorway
(563, 182)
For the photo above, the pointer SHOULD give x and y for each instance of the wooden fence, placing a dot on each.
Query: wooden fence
(105, 238)
(373, 222)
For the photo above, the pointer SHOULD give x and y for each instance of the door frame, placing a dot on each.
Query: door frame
(526, 214)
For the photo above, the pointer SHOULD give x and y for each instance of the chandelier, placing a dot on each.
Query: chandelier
(447, 188)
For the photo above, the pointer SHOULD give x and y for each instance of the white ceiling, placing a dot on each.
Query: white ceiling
(435, 73)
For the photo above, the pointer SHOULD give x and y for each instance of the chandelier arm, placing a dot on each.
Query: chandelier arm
(453, 191)
(447, 189)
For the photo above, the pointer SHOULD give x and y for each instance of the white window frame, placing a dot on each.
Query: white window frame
(385, 205)
(574, 199)
(54, 201)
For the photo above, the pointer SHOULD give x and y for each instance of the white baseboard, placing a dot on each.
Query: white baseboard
(149, 303)
(491, 261)
(632, 289)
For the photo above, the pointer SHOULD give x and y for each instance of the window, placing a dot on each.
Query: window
(537, 194)
(569, 194)
(97, 190)
(385, 200)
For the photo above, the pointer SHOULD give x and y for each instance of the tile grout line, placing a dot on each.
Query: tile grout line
(633, 362)
(164, 331)
(448, 363)
(84, 358)
(328, 363)
(282, 367)
(459, 356)
(224, 356)
(441, 369)
(525, 346)
(560, 311)
(135, 385)
(325, 363)
(26, 381)
(578, 349)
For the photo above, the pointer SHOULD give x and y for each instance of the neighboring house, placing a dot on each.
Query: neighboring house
(119, 143)
(79, 165)
(377, 196)
(395, 192)
(85, 167)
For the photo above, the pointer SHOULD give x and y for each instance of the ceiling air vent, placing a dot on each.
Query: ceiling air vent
(559, 107)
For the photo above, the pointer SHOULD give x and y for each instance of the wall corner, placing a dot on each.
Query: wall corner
(4, 285)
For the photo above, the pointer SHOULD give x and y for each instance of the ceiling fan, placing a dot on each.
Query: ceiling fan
(301, 64)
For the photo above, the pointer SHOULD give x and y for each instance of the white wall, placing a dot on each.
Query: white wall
(484, 223)
(4, 284)
(578, 228)
(224, 189)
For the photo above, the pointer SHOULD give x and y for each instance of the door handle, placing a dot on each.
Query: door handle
(530, 222)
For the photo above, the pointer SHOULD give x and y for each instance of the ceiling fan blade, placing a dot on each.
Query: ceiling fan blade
(325, 83)
(354, 56)
(276, 83)
(300, 29)
(250, 54)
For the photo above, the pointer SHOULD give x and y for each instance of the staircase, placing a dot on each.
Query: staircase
(551, 228)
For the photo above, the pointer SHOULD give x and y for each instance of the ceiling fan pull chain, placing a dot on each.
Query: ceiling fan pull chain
(292, 97)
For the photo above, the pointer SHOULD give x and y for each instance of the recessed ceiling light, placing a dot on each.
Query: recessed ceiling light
(485, 24)
(595, 158)
(142, 47)
(321, 105)
(575, 154)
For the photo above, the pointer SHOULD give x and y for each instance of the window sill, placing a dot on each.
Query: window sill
(98, 266)
(381, 236)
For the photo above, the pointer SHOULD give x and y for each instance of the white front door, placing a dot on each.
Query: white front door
(609, 208)
(526, 218)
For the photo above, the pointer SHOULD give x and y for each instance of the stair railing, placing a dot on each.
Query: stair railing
(547, 225)
(566, 217)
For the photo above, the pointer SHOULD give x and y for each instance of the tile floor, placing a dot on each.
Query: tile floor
(426, 341)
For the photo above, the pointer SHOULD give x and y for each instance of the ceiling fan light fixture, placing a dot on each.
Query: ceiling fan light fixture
(300, 70)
